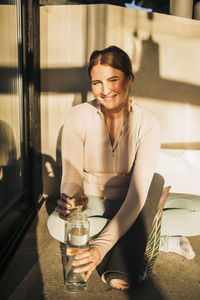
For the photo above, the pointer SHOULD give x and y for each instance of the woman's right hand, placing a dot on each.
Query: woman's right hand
(65, 204)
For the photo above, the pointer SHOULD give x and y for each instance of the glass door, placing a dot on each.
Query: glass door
(16, 205)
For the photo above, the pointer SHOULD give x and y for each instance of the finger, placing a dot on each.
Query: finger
(82, 255)
(64, 197)
(89, 267)
(83, 261)
(62, 212)
(64, 205)
(88, 274)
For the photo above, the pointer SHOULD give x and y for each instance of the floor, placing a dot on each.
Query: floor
(36, 272)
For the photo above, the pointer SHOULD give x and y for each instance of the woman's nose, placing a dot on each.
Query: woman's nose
(105, 89)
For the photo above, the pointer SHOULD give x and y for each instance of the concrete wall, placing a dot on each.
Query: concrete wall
(166, 58)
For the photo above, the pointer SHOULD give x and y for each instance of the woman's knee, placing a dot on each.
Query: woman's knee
(56, 227)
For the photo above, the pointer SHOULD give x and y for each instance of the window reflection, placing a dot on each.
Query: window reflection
(10, 102)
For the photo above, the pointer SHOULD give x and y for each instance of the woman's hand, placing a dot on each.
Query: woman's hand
(65, 204)
(87, 262)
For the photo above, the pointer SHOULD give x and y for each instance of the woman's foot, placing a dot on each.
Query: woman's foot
(119, 284)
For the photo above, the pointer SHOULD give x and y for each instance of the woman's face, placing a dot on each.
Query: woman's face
(110, 86)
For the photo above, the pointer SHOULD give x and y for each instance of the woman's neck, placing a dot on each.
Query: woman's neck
(118, 113)
(113, 115)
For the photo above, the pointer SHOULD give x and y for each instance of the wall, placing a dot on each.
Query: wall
(165, 54)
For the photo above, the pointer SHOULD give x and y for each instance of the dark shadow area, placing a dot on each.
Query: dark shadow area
(15, 215)
(65, 81)
(51, 174)
(147, 290)
(13, 206)
(9, 165)
(63, 259)
(23, 275)
(8, 80)
(160, 6)
(75, 2)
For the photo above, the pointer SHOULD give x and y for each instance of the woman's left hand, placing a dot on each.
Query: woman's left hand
(87, 261)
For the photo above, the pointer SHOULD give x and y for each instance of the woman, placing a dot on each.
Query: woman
(110, 148)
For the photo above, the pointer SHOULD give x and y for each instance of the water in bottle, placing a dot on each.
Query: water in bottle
(77, 240)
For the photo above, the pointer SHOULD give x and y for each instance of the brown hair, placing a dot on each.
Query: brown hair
(114, 57)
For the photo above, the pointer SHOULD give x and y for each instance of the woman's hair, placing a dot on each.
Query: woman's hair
(114, 57)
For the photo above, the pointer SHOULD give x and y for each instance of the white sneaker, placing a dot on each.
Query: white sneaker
(177, 244)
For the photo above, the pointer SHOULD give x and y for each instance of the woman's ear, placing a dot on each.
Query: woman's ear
(132, 77)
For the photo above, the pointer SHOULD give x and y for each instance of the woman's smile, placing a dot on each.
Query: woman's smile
(108, 98)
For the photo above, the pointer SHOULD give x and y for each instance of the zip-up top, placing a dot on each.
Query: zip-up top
(122, 171)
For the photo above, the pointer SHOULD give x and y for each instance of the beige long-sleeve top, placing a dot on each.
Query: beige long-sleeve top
(124, 170)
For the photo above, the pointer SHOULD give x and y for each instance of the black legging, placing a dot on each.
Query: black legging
(127, 255)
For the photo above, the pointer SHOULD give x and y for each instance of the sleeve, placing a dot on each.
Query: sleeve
(72, 155)
(144, 166)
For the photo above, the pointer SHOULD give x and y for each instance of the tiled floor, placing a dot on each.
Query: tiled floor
(36, 273)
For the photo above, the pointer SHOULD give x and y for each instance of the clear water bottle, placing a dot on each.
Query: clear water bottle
(77, 240)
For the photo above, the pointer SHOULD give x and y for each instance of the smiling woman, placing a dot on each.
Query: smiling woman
(110, 147)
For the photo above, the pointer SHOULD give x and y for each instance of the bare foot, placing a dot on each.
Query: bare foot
(119, 284)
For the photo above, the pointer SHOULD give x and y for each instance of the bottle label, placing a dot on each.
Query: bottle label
(78, 240)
